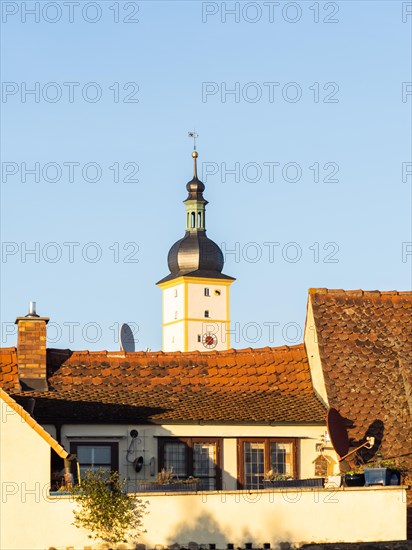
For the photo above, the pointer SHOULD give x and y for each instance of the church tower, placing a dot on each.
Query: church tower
(196, 294)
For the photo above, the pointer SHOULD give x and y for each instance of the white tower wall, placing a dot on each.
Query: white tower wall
(196, 314)
(216, 302)
(173, 303)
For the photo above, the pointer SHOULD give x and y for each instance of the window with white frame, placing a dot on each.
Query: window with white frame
(93, 456)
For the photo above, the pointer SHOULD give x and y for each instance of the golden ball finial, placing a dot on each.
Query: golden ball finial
(195, 155)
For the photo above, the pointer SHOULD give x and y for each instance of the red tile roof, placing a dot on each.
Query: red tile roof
(365, 345)
(241, 386)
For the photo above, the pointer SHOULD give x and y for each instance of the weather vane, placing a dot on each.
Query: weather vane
(194, 136)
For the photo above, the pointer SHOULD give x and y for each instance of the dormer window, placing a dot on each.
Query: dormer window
(207, 293)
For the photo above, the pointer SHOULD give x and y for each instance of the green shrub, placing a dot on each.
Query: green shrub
(106, 510)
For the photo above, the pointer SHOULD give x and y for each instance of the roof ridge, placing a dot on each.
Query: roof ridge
(360, 292)
(165, 355)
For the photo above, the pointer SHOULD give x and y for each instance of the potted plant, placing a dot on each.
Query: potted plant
(383, 472)
(167, 481)
(273, 479)
(355, 477)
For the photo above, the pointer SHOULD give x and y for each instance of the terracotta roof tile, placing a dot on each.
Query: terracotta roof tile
(249, 385)
(365, 343)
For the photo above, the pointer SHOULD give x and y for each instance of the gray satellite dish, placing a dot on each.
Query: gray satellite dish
(126, 338)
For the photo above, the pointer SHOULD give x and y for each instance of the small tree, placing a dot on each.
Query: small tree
(106, 509)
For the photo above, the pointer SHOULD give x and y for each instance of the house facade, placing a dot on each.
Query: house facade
(27, 509)
(225, 417)
(32, 517)
(228, 417)
(359, 347)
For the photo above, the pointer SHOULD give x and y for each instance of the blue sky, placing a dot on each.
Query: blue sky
(306, 163)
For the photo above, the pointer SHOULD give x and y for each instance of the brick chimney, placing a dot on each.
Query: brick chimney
(31, 350)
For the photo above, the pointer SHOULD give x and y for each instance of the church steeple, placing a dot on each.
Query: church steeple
(195, 202)
(195, 254)
(196, 292)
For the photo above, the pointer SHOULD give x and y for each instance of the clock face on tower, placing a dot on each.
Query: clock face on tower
(209, 340)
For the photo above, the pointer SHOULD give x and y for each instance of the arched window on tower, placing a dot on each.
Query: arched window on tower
(199, 220)
(193, 223)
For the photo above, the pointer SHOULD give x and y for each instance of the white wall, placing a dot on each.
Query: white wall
(198, 302)
(184, 306)
(146, 444)
(173, 303)
(218, 308)
(31, 519)
(312, 350)
(365, 514)
(25, 508)
(173, 336)
(208, 326)
(372, 514)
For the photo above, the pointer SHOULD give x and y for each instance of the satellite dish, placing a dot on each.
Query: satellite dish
(126, 338)
(339, 435)
(337, 432)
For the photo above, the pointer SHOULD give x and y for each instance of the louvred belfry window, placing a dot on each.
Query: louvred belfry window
(193, 457)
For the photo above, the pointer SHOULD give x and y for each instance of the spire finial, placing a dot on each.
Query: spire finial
(194, 136)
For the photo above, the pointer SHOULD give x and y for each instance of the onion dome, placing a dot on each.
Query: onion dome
(195, 252)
